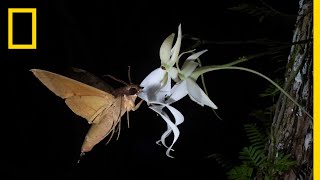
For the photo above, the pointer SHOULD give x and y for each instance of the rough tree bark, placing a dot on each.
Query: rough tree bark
(292, 129)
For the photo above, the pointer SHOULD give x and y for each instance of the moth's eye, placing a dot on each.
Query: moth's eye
(133, 91)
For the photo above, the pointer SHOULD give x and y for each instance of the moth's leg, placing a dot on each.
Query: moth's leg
(133, 109)
(115, 122)
(119, 128)
(119, 116)
(111, 135)
(119, 119)
(111, 131)
(137, 105)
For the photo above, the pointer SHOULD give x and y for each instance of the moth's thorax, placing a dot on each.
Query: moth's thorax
(128, 102)
(129, 90)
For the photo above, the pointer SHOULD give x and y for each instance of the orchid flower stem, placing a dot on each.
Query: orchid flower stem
(240, 60)
(205, 69)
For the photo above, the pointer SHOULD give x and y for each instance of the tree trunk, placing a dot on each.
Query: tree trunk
(292, 130)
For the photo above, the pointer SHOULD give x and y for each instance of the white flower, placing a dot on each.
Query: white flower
(157, 90)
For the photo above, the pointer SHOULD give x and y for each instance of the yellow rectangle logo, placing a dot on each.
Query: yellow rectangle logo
(33, 12)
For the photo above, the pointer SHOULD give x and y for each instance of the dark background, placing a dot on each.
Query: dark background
(42, 137)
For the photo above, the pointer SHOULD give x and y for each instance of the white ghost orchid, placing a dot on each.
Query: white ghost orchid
(157, 86)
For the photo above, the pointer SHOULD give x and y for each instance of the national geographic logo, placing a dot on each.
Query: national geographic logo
(22, 13)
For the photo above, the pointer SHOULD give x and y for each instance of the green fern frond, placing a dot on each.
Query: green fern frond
(242, 172)
(253, 156)
(256, 136)
(283, 162)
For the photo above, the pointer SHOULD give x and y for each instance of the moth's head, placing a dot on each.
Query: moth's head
(133, 89)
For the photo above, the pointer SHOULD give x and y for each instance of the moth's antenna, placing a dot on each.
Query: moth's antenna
(116, 79)
(129, 74)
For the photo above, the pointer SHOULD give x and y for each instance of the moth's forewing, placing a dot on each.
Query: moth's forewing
(65, 87)
(79, 97)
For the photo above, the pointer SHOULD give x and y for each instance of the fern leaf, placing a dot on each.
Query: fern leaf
(283, 162)
(255, 135)
(242, 172)
(253, 156)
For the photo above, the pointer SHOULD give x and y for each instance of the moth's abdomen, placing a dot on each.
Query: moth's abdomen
(108, 123)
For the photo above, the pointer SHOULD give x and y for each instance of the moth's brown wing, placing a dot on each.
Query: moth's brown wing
(109, 118)
(84, 100)
(88, 78)
(65, 87)
(88, 107)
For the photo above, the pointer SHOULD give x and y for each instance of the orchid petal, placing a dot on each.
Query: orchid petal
(193, 99)
(154, 78)
(144, 95)
(196, 55)
(151, 94)
(164, 91)
(174, 128)
(176, 48)
(173, 72)
(165, 49)
(167, 86)
(179, 118)
(188, 67)
(164, 136)
(198, 95)
(178, 91)
(158, 108)
(186, 52)
(153, 89)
